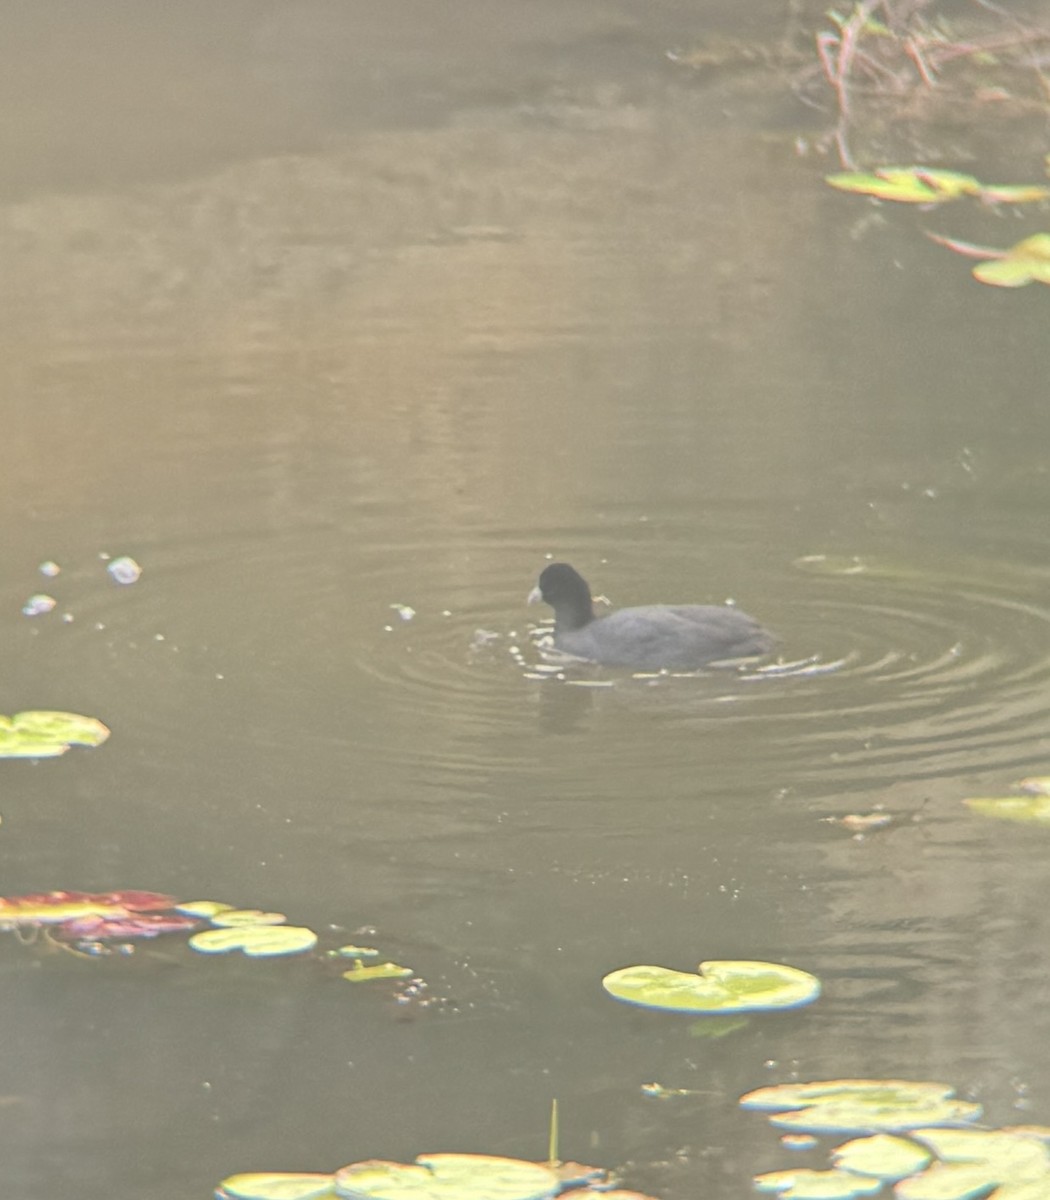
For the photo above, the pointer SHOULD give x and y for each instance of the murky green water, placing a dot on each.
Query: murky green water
(318, 313)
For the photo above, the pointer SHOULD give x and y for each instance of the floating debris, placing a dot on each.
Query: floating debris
(404, 611)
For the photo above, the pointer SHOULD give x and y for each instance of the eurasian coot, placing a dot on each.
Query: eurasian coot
(648, 638)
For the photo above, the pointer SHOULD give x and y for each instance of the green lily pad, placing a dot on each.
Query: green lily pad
(447, 1177)
(47, 734)
(720, 987)
(360, 973)
(257, 941)
(976, 1163)
(203, 908)
(805, 1184)
(1027, 262)
(277, 1185)
(1034, 810)
(860, 1105)
(883, 1156)
(230, 918)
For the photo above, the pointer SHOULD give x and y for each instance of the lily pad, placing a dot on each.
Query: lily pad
(361, 973)
(55, 908)
(973, 1162)
(230, 918)
(256, 941)
(48, 734)
(1026, 262)
(860, 1105)
(805, 1184)
(203, 908)
(447, 1177)
(1034, 810)
(276, 1185)
(720, 987)
(135, 925)
(883, 1156)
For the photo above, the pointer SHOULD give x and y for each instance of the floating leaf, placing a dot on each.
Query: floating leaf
(905, 188)
(1027, 262)
(234, 917)
(975, 1162)
(721, 987)
(447, 1177)
(361, 973)
(257, 941)
(884, 1156)
(860, 1105)
(203, 908)
(355, 952)
(1034, 810)
(138, 925)
(602, 1193)
(47, 734)
(805, 1184)
(52, 908)
(277, 1185)
(1007, 193)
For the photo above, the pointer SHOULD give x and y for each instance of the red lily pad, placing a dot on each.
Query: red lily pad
(54, 908)
(142, 925)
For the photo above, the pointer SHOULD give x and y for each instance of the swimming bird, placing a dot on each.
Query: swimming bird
(648, 638)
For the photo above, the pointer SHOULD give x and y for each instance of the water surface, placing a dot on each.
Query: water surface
(319, 314)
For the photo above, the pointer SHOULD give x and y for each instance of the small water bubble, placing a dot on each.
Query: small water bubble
(38, 604)
(49, 568)
(405, 611)
(124, 570)
(67, 618)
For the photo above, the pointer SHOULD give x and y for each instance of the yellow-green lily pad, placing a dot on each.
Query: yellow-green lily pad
(723, 986)
(203, 908)
(361, 974)
(448, 1177)
(257, 941)
(806, 1184)
(883, 1156)
(48, 734)
(860, 1105)
(276, 1185)
(229, 918)
(1034, 810)
(1027, 262)
(974, 1162)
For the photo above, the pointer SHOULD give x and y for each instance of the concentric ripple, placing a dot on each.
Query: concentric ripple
(885, 672)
